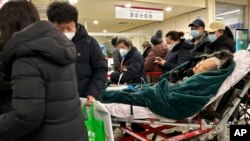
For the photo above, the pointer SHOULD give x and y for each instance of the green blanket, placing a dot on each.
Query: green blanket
(178, 101)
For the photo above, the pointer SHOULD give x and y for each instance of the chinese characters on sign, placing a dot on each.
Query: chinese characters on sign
(139, 13)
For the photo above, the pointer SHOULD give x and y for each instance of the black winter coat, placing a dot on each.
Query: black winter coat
(134, 63)
(222, 43)
(178, 55)
(46, 106)
(5, 90)
(199, 48)
(91, 65)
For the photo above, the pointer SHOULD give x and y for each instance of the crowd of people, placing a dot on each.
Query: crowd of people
(161, 57)
(46, 66)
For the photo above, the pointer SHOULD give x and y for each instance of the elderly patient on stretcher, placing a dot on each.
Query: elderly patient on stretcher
(185, 98)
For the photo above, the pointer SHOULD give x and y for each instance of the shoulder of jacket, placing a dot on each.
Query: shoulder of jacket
(139, 56)
(88, 39)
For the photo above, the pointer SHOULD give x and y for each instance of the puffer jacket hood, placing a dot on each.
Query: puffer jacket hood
(81, 33)
(41, 39)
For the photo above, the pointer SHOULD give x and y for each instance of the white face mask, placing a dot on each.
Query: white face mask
(123, 52)
(170, 47)
(69, 35)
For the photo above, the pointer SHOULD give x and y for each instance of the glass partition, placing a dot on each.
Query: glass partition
(231, 15)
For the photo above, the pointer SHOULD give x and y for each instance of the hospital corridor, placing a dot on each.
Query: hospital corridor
(124, 70)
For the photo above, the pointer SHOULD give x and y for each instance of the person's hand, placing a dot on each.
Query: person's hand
(123, 68)
(90, 100)
(160, 61)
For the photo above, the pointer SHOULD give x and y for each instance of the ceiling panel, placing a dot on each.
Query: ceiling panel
(103, 11)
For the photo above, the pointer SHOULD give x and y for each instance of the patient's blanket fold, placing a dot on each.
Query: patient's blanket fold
(177, 101)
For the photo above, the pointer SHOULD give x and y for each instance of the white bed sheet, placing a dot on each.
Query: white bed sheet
(242, 59)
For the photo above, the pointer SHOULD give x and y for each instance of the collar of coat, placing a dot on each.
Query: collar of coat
(219, 40)
(180, 45)
(130, 53)
(81, 33)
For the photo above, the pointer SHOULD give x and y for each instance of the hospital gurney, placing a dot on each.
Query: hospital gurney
(123, 112)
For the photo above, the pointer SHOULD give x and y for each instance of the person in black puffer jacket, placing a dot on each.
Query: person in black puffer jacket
(40, 61)
(178, 51)
(132, 65)
(91, 65)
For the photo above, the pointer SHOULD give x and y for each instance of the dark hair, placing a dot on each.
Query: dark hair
(61, 12)
(228, 32)
(174, 35)
(15, 16)
(114, 41)
(157, 38)
(127, 42)
(225, 56)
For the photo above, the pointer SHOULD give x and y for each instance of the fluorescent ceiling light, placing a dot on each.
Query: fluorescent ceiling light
(128, 5)
(229, 12)
(168, 8)
(219, 18)
(105, 31)
(95, 22)
(73, 1)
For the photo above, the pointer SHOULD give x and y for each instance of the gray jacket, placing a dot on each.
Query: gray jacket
(117, 58)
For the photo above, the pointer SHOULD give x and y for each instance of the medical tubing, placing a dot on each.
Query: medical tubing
(120, 77)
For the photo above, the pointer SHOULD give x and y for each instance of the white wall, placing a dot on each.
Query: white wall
(179, 23)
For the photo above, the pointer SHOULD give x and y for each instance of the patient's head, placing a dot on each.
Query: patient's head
(209, 64)
(218, 60)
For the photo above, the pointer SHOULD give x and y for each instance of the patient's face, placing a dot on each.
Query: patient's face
(205, 65)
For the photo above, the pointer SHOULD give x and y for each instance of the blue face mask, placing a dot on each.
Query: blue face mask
(195, 33)
(212, 37)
